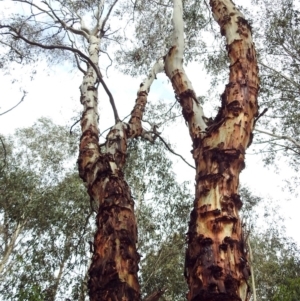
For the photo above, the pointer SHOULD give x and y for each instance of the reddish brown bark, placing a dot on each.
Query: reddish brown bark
(114, 266)
(137, 114)
(216, 265)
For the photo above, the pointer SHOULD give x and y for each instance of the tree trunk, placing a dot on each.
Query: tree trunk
(114, 267)
(216, 259)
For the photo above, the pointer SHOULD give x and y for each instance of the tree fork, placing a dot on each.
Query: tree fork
(114, 267)
(216, 265)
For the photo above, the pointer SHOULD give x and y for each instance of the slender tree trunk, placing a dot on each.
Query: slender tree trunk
(216, 260)
(9, 246)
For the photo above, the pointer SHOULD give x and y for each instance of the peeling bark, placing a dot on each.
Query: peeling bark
(216, 265)
(114, 267)
(135, 122)
(191, 109)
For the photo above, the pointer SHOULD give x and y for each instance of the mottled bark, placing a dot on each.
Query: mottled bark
(114, 267)
(216, 259)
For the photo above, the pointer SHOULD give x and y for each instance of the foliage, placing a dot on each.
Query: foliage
(45, 214)
(279, 72)
(162, 208)
(289, 291)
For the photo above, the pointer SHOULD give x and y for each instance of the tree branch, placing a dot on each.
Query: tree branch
(78, 64)
(74, 125)
(191, 109)
(168, 147)
(106, 17)
(251, 269)
(280, 74)
(295, 142)
(15, 105)
(83, 33)
(74, 50)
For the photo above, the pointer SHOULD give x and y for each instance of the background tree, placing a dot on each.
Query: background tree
(43, 251)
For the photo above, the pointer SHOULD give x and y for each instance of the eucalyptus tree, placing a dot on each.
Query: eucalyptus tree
(162, 208)
(280, 66)
(45, 212)
(276, 32)
(60, 26)
(216, 260)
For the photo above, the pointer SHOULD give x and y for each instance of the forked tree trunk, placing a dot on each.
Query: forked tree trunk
(114, 267)
(216, 265)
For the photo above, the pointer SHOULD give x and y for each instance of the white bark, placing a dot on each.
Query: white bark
(157, 68)
(9, 249)
(174, 66)
(252, 270)
(174, 63)
(89, 94)
(116, 134)
(227, 11)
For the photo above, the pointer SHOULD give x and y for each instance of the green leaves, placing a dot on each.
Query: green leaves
(288, 291)
(162, 209)
(46, 215)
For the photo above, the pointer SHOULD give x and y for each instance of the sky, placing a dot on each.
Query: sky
(54, 93)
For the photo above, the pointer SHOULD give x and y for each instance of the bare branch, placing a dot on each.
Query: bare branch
(84, 32)
(280, 74)
(99, 14)
(295, 142)
(169, 148)
(74, 125)
(111, 99)
(15, 105)
(106, 17)
(16, 34)
(14, 49)
(78, 64)
(161, 4)
(109, 59)
(31, 4)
